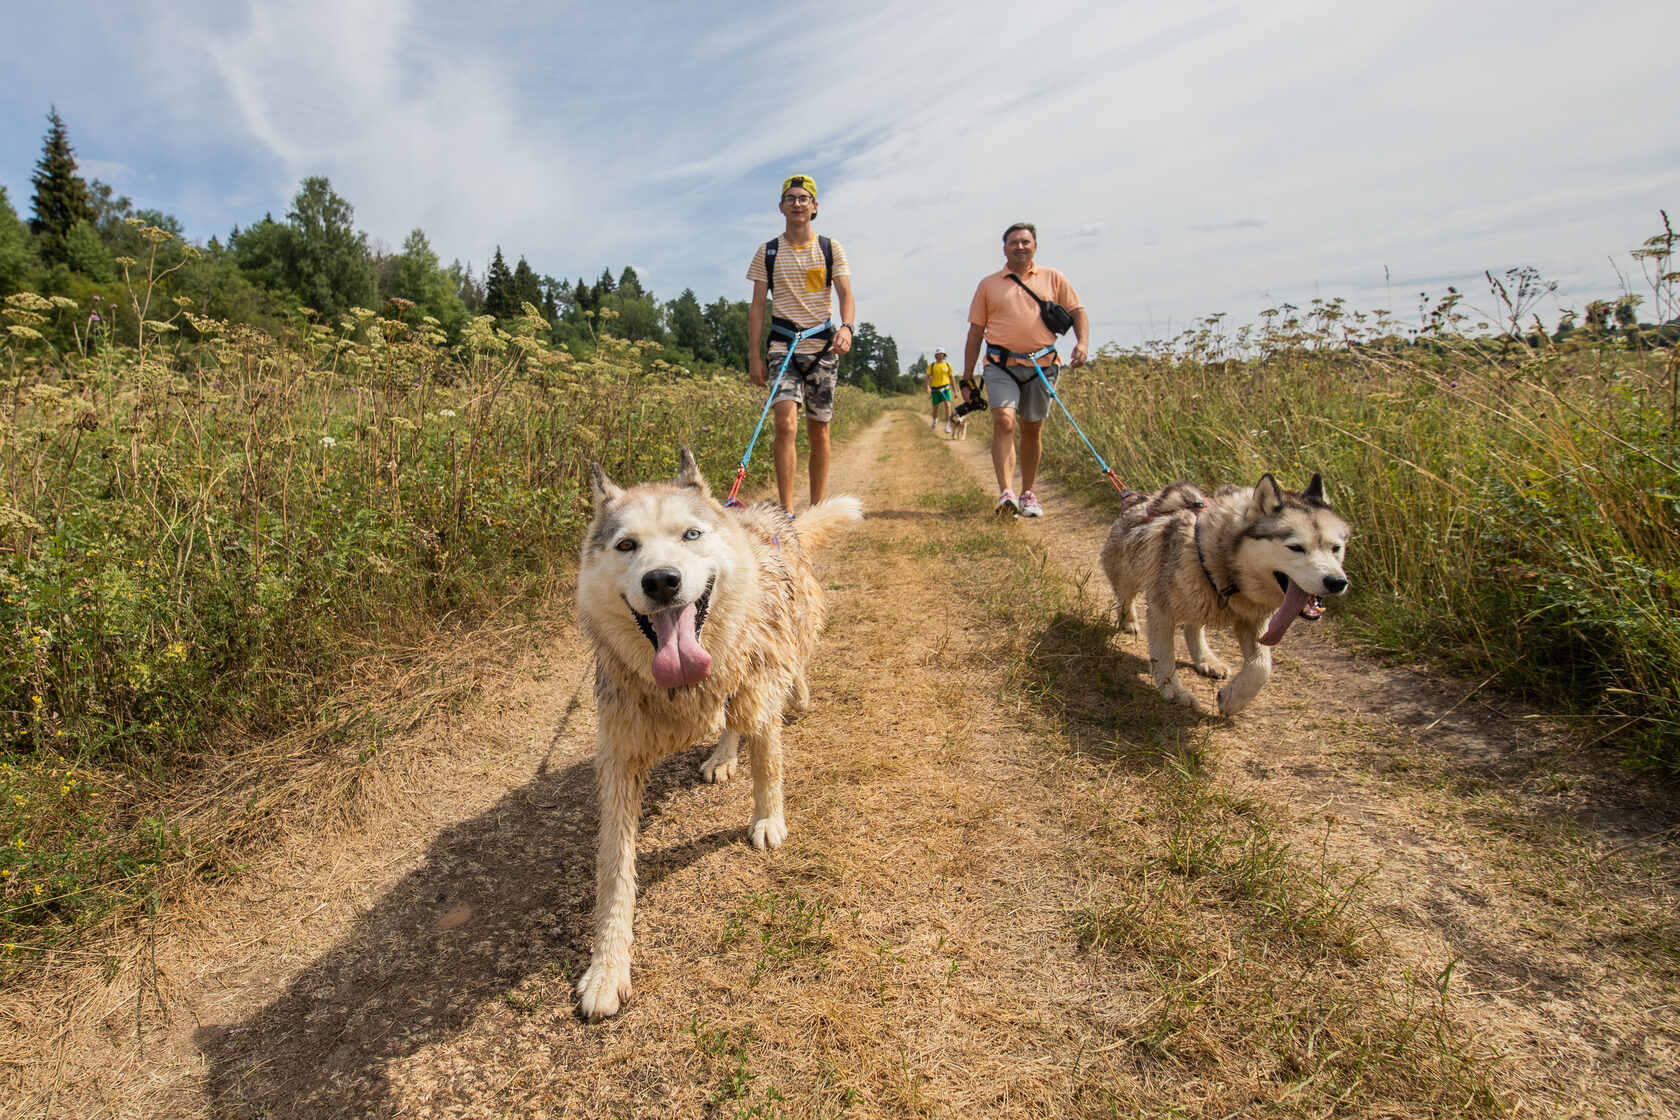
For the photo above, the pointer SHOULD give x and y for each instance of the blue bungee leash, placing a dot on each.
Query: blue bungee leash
(1108, 472)
(794, 341)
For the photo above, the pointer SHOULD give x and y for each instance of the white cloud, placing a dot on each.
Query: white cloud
(1179, 160)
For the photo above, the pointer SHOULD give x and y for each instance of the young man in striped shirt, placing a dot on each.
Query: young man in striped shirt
(809, 271)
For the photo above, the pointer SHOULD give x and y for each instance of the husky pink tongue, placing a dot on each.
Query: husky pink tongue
(678, 658)
(1293, 600)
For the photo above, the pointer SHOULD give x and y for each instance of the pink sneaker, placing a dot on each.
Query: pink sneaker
(1029, 505)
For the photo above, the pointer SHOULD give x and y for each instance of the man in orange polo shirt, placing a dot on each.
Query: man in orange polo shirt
(1004, 318)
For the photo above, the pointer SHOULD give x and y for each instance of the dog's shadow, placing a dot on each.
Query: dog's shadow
(1099, 686)
(502, 902)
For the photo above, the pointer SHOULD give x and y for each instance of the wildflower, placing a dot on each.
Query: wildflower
(446, 412)
(328, 442)
(94, 318)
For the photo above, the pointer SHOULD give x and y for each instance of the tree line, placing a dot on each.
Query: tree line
(82, 238)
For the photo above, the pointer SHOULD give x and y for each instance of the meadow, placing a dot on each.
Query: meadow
(1515, 494)
(214, 537)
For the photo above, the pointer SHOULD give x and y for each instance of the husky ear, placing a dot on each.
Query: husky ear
(1268, 497)
(689, 474)
(605, 489)
(1314, 493)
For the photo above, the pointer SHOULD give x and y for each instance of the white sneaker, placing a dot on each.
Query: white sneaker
(1007, 506)
(1029, 505)
(947, 427)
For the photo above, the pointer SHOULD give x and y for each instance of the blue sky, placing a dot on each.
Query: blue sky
(1179, 159)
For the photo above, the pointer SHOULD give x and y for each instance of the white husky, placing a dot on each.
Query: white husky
(703, 621)
(1233, 560)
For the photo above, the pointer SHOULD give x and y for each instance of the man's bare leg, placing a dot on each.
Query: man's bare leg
(785, 450)
(1032, 448)
(817, 431)
(1003, 446)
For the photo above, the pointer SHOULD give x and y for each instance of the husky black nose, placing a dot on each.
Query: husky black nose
(1335, 584)
(662, 584)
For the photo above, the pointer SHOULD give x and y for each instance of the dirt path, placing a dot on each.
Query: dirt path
(990, 903)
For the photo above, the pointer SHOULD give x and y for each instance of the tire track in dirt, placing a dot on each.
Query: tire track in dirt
(1498, 846)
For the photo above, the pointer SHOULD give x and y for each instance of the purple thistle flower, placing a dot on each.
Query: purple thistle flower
(94, 318)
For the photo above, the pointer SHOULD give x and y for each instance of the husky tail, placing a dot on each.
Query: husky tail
(817, 524)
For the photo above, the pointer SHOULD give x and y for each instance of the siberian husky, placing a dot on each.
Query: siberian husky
(1233, 560)
(703, 620)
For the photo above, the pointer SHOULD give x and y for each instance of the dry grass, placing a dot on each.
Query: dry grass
(1017, 885)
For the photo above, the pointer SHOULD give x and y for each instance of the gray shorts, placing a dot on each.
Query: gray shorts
(814, 389)
(1029, 400)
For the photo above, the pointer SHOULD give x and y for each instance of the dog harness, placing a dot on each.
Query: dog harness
(1201, 561)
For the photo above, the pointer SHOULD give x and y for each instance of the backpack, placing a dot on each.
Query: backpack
(823, 243)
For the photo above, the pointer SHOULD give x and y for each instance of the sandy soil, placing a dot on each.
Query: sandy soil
(911, 950)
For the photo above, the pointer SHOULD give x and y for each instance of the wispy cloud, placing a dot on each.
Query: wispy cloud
(1230, 227)
(1367, 136)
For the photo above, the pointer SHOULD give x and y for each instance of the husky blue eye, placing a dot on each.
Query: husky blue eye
(626, 545)
(692, 535)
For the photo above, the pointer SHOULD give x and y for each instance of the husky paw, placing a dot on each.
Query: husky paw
(603, 990)
(719, 770)
(1213, 667)
(1129, 626)
(1178, 694)
(769, 832)
(1231, 702)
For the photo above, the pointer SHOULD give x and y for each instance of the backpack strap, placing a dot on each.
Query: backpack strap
(823, 243)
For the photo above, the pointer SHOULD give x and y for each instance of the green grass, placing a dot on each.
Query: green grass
(210, 536)
(1256, 943)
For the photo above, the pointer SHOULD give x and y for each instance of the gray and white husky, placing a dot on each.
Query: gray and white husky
(703, 620)
(1235, 559)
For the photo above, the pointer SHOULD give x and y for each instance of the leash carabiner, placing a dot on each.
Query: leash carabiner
(794, 341)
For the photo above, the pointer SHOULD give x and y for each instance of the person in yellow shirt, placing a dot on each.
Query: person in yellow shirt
(939, 388)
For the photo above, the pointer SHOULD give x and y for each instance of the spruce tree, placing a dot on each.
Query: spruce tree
(61, 196)
(526, 287)
(500, 298)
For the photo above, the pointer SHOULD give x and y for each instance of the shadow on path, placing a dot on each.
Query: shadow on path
(1101, 690)
(501, 899)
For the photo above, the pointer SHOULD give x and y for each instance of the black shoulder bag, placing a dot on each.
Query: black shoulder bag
(1058, 318)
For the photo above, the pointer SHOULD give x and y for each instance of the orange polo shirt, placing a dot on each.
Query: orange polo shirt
(1010, 316)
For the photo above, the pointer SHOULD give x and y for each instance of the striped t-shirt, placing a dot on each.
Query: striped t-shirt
(799, 294)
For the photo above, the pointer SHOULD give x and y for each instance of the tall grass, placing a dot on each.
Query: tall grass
(202, 525)
(1516, 500)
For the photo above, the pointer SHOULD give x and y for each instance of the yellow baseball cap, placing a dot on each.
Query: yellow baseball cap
(805, 181)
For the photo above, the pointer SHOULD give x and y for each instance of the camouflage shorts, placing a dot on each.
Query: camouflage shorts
(814, 389)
